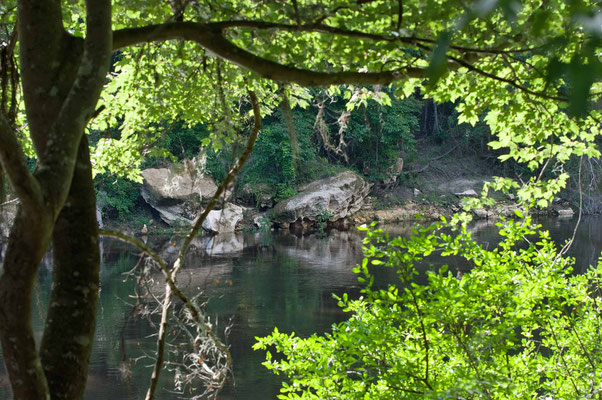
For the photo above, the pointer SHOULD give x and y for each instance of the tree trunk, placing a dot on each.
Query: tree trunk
(62, 77)
(69, 331)
(29, 239)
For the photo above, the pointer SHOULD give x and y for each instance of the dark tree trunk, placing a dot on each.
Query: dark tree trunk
(435, 118)
(69, 331)
(29, 239)
(62, 77)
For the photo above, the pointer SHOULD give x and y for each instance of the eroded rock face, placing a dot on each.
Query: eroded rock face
(176, 194)
(224, 220)
(169, 185)
(333, 198)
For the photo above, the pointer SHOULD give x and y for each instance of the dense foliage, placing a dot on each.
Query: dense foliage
(531, 70)
(518, 324)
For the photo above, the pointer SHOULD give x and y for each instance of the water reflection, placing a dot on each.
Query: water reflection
(257, 280)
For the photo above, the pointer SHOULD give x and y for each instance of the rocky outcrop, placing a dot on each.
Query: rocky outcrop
(329, 199)
(224, 220)
(176, 193)
(409, 211)
(565, 212)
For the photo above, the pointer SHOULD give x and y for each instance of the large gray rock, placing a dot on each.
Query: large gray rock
(467, 193)
(224, 220)
(169, 185)
(337, 197)
(176, 193)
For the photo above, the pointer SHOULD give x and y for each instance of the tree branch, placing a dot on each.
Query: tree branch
(210, 37)
(335, 10)
(510, 82)
(15, 165)
(471, 67)
(323, 28)
(56, 167)
(399, 14)
(297, 16)
(229, 178)
(171, 288)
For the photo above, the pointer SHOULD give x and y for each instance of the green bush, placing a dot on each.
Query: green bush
(518, 325)
(183, 141)
(118, 197)
(378, 135)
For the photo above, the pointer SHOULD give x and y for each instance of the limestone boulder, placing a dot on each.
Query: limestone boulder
(565, 212)
(176, 193)
(224, 220)
(333, 198)
(173, 185)
(467, 193)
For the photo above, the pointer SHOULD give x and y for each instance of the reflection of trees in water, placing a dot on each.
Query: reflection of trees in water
(588, 241)
(276, 280)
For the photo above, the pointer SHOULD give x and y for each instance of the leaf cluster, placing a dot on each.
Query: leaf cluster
(518, 324)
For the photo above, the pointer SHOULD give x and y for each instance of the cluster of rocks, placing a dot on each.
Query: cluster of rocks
(179, 197)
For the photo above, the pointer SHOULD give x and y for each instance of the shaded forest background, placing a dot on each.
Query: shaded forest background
(372, 140)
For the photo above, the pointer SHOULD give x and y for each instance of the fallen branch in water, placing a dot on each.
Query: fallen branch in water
(217, 379)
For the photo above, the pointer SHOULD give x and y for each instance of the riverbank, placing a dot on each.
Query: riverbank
(425, 188)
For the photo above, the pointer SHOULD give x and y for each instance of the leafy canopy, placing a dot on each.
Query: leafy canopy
(521, 65)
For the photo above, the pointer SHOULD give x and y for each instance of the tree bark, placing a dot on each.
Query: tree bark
(71, 320)
(28, 241)
(62, 77)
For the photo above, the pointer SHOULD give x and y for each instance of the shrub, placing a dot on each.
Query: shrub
(117, 197)
(519, 324)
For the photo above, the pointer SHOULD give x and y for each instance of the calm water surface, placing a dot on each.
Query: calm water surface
(265, 281)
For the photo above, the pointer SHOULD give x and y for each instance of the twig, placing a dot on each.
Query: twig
(9, 202)
(424, 338)
(170, 285)
(568, 244)
(170, 275)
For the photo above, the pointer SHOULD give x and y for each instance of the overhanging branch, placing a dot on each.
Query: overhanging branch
(15, 165)
(171, 275)
(320, 27)
(210, 37)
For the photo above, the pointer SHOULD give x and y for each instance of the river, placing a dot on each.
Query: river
(268, 280)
